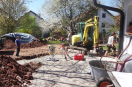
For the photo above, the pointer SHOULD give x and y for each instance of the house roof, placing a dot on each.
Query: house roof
(36, 14)
(108, 12)
(81, 15)
(85, 13)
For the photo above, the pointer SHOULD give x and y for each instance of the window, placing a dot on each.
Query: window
(83, 26)
(103, 15)
(103, 25)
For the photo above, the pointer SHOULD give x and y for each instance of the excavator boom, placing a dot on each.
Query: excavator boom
(91, 22)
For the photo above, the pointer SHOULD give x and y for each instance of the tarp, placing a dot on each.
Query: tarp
(24, 37)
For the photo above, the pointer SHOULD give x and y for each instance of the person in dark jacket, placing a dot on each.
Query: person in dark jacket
(18, 43)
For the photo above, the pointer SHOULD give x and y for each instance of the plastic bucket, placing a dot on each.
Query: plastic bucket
(97, 69)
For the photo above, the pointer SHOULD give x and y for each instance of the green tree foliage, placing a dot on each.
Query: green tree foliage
(37, 32)
(63, 32)
(25, 31)
(27, 22)
(10, 11)
(28, 25)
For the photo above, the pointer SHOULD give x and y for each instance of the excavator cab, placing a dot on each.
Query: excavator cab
(80, 32)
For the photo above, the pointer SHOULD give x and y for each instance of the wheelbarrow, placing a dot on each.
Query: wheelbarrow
(116, 71)
(122, 65)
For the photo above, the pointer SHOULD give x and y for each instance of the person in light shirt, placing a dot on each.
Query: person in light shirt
(110, 44)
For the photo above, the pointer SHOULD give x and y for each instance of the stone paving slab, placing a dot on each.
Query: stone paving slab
(62, 73)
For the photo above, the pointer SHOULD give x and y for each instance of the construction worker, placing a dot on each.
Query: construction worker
(18, 43)
(62, 39)
(110, 44)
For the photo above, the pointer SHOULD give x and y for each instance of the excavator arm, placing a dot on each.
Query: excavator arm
(91, 22)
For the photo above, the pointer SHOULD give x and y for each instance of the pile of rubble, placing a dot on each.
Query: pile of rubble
(13, 74)
(10, 44)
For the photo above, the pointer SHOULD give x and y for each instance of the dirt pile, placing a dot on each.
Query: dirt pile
(13, 74)
(10, 44)
(33, 66)
(33, 44)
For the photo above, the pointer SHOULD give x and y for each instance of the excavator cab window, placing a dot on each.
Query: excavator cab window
(78, 28)
(90, 36)
(83, 26)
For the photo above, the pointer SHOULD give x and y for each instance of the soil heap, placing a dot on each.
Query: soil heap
(13, 74)
(10, 44)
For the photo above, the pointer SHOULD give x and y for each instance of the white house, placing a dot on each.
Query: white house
(105, 18)
(128, 18)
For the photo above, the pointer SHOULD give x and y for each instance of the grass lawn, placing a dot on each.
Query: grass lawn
(56, 42)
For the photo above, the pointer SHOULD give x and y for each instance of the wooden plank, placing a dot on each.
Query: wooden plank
(102, 45)
(11, 52)
(115, 82)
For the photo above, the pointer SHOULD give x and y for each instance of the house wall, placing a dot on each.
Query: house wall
(108, 19)
(128, 18)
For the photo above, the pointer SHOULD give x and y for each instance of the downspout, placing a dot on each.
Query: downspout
(121, 23)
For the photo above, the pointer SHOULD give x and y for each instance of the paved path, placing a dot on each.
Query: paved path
(61, 73)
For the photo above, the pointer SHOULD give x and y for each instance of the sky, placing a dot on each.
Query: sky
(109, 3)
(35, 5)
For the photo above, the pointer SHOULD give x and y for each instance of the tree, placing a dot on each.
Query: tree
(28, 25)
(65, 10)
(10, 11)
(118, 3)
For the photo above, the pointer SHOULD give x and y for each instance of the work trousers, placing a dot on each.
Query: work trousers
(18, 50)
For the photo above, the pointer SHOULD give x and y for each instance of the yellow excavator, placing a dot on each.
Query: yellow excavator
(87, 34)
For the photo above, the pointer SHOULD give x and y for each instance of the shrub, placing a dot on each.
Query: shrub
(64, 32)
